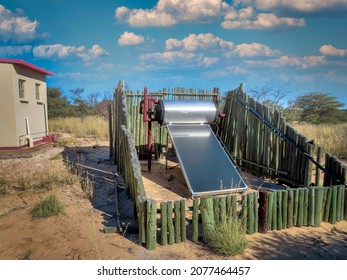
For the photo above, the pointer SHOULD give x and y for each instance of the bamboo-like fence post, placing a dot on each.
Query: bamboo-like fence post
(170, 223)
(163, 218)
(300, 221)
(207, 216)
(274, 211)
(270, 210)
(332, 218)
(319, 206)
(290, 207)
(250, 211)
(151, 221)
(195, 236)
(312, 207)
(177, 212)
(263, 211)
(183, 221)
(327, 204)
(285, 209)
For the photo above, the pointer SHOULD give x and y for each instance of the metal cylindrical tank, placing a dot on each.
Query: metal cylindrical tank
(185, 112)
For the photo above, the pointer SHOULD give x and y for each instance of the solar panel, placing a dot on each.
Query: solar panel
(206, 166)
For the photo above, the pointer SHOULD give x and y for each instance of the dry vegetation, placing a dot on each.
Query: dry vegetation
(332, 137)
(95, 127)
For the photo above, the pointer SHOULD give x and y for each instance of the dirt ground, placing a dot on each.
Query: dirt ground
(78, 232)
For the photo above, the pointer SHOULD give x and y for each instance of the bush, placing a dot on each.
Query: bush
(50, 206)
(228, 238)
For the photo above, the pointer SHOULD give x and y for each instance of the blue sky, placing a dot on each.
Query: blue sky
(297, 44)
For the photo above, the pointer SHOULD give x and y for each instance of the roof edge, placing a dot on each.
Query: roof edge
(26, 65)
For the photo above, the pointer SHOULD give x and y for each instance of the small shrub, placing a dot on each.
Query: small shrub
(50, 206)
(228, 238)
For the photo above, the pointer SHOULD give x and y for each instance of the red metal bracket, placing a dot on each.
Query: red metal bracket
(146, 106)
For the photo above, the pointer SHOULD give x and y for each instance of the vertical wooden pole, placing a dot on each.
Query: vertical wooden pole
(250, 219)
(151, 240)
(216, 210)
(339, 210)
(311, 207)
(318, 172)
(256, 211)
(345, 204)
(270, 210)
(279, 210)
(296, 207)
(183, 221)
(285, 209)
(170, 223)
(244, 215)
(306, 202)
(300, 221)
(234, 206)
(319, 206)
(163, 218)
(195, 219)
(327, 204)
(274, 211)
(142, 222)
(290, 207)
(177, 212)
(222, 207)
(332, 219)
(263, 211)
(207, 216)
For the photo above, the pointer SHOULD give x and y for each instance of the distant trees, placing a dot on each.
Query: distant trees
(79, 105)
(316, 107)
(270, 95)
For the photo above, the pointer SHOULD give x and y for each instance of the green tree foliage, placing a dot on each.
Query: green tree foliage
(58, 105)
(315, 107)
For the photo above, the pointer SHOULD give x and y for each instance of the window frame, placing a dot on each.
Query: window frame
(22, 90)
(38, 93)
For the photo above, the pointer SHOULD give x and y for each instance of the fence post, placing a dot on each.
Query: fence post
(163, 218)
(285, 209)
(177, 210)
(170, 223)
(183, 221)
(195, 219)
(151, 240)
(263, 211)
(250, 213)
(290, 207)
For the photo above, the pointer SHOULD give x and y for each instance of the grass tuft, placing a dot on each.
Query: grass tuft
(50, 206)
(228, 238)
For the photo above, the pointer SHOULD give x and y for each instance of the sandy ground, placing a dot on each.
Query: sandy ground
(78, 232)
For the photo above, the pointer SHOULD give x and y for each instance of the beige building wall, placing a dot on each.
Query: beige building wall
(8, 132)
(34, 110)
(14, 110)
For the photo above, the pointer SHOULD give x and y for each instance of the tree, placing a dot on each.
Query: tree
(315, 107)
(58, 105)
(81, 104)
(270, 95)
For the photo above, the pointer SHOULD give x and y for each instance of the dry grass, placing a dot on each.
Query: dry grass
(333, 137)
(88, 127)
(35, 177)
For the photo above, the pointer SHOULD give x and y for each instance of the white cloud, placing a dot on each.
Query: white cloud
(329, 50)
(201, 41)
(289, 61)
(247, 18)
(207, 61)
(60, 51)
(171, 12)
(252, 50)
(130, 39)
(169, 57)
(16, 28)
(14, 50)
(303, 6)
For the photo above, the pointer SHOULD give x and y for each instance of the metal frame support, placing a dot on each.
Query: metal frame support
(146, 106)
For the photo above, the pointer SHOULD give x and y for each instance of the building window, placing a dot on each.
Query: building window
(37, 93)
(21, 86)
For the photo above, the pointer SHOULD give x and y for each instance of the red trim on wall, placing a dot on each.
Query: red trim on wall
(46, 139)
(26, 64)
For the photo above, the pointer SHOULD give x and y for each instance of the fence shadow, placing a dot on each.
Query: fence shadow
(94, 163)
